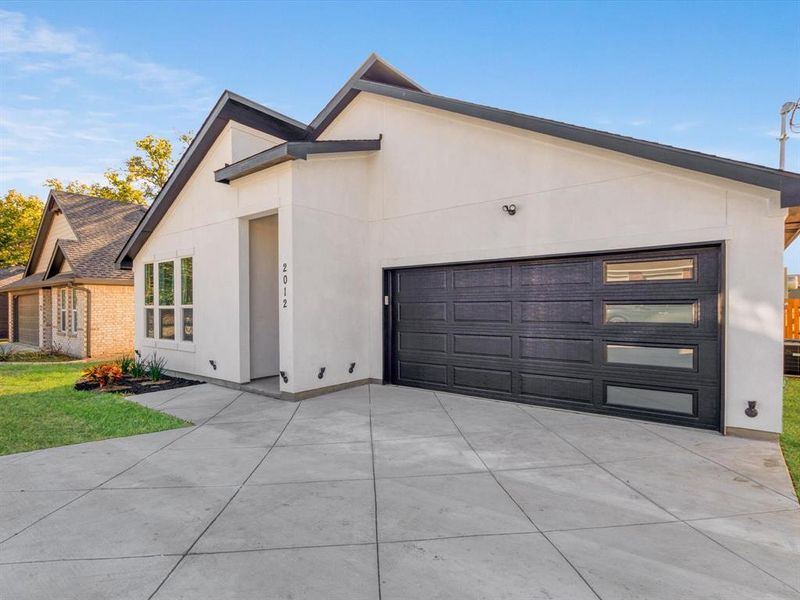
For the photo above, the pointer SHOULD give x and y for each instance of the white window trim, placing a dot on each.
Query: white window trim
(74, 311)
(62, 310)
(156, 341)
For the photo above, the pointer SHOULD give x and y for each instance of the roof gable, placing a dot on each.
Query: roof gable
(44, 243)
(378, 77)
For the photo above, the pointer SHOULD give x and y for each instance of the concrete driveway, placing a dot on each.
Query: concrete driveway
(394, 493)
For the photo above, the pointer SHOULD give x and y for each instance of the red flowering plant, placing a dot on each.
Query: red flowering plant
(103, 375)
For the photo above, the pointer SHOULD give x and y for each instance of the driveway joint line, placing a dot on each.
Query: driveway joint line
(374, 493)
(227, 504)
(527, 516)
(101, 484)
(677, 518)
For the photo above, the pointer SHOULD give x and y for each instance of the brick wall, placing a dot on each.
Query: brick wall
(111, 319)
(45, 319)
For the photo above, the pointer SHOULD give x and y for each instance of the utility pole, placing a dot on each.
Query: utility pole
(788, 107)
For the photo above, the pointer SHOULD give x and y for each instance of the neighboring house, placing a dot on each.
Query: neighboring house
(7, 275)
(410, 238)
(72, 298)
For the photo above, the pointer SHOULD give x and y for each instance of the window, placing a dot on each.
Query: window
(683, 313)
(654, 356)
(62, 310)
(149, 327)
(169, 300)
(166, 300)
(660, 400)
(649, 270)
(187, 295)
(74, 322)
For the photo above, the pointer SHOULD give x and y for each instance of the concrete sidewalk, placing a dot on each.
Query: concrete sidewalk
(397, 493)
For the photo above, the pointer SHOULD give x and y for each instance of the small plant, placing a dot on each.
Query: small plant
(104, 375)
(155, 367)
(126, 363)
(138, 369)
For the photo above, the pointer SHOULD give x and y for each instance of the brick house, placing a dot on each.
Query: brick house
(7, 275)
(72, 298)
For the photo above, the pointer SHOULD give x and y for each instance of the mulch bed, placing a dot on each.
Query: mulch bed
(132, 386)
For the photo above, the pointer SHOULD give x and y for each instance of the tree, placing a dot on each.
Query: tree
(19, 221)
(139, 181)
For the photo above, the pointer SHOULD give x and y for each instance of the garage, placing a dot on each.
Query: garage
(634, 334)
(26, 319)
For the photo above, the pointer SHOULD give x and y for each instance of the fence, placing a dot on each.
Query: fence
(791, 319)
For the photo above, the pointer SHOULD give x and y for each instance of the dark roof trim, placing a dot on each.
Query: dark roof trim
(291, 151)
(374, 69)
(229, 107)
(787, 182)
(56, 260)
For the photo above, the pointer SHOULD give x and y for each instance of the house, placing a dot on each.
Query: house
(409, 238)
(72, 297)
(7, 275)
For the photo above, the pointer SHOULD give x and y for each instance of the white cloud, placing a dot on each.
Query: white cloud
(18, 36)
(33, 47)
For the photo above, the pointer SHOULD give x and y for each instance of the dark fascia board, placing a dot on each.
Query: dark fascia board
(291, 151)
(229, 107)
(56, 260)
(374, 69)
(786, 182)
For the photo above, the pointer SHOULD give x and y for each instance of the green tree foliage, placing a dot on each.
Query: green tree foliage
(139, 181)
(19, 220)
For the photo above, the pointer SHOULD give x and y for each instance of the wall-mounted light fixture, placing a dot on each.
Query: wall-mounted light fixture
(213, 364)
(751, 410)
(352, 367)
(321, 373)
(511, 209)
(284, 376)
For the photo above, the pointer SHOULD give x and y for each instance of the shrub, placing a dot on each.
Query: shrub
(5, 352)
(103, 375)
(155, 367)
(126, 363)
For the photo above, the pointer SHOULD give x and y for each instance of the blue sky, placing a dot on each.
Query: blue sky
(79, 82)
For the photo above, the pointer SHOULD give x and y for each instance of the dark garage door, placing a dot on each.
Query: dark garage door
(27, 319)
(631, 334)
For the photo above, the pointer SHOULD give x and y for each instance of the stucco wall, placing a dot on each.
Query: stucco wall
(208, 221)
(436, 190)
(264, 311)
(433, 194)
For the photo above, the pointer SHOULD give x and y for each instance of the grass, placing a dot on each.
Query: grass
(28, 357)
(790, 438)
(40, 409)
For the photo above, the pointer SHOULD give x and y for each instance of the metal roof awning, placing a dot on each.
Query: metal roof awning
(291, 151)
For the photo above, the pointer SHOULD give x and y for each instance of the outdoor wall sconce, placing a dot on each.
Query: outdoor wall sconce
(137, 353)
(352, 367)
(751, 410)
(213, 364)
(321, 373)
(511, 209)
(284, 376)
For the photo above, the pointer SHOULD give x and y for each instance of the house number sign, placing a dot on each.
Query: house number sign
(284, 281)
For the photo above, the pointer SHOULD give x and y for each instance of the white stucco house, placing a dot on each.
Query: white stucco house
(409, 238)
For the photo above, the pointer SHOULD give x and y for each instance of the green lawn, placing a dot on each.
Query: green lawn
(790, 439)
(40, 409)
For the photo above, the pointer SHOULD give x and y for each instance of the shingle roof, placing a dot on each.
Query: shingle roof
(101, 227)
(9, 274)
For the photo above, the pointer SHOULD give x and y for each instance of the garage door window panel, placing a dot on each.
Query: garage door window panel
(682, 313)
(667, 401)
(673, 357)
(650, 271)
